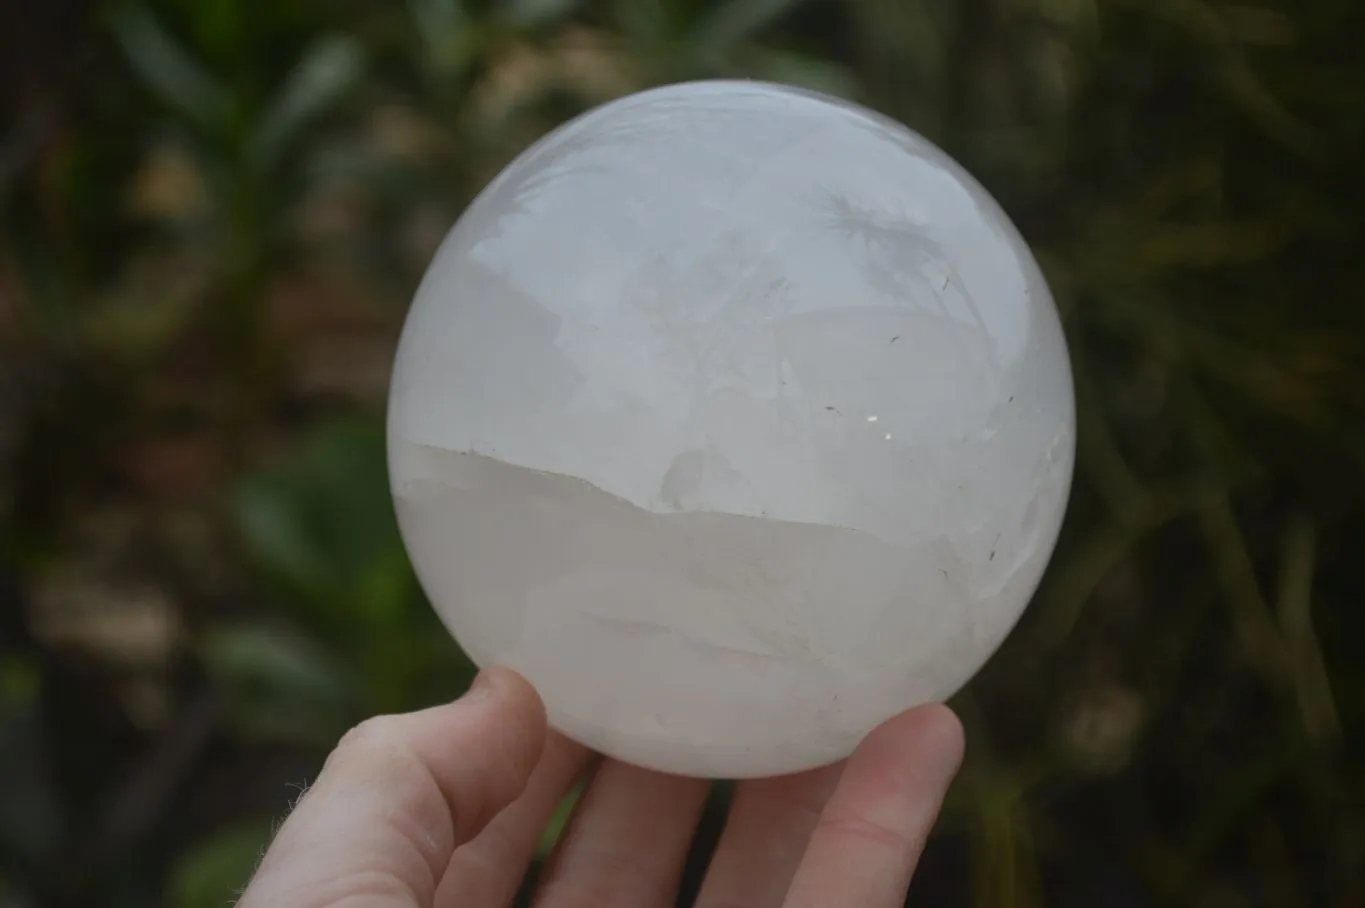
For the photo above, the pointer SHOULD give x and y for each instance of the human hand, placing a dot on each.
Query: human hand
(443, 808)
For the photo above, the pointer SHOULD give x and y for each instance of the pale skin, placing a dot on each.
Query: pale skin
(443, 808)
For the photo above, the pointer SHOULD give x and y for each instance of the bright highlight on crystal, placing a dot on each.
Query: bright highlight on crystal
(738, 419)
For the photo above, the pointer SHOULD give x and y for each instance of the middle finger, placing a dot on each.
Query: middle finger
(627, 841)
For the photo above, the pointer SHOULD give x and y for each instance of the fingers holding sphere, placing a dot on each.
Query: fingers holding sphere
(399, 794)
(864, 848)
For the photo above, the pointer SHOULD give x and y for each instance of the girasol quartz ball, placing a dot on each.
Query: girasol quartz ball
(737, 419)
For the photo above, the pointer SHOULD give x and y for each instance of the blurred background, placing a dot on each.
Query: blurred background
(213, 215)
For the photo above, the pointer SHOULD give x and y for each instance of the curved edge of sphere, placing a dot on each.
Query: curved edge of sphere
(736, 418)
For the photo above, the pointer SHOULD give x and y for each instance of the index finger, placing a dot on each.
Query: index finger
(398, 795)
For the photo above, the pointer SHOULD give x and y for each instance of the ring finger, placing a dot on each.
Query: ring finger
(769, 824)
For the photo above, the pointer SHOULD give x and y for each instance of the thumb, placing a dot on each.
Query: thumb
(398, 795)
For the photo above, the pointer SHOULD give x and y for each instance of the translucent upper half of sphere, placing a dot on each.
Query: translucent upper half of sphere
(741, 298)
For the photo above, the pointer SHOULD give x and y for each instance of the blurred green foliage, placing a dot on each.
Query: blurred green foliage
(213, 214)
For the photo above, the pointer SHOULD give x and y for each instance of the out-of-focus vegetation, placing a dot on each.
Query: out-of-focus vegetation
(212, 217)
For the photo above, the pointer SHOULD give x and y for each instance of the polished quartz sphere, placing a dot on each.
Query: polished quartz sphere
(737, 419)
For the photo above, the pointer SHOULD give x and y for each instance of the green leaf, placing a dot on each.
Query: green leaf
(446, 31)
(537, 13)
(212, 873)
(806, 71)
(283, 686)
(322, 526)
(290, 666)
(732, 23)
(646, 21)
(169, 70)
(220, 26)
(20, 681)
(437, 19)
(272, 529)
(559, 821)
(322, 78)
(385, 586)
(1266, 112)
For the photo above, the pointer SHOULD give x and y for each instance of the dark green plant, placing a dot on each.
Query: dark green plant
(212, 215)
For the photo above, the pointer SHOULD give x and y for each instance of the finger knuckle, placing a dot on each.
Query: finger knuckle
(368, 886)
(375, 734)
(865, 831)
(378, 745)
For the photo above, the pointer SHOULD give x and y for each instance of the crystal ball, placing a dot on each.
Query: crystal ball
(738, 419)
